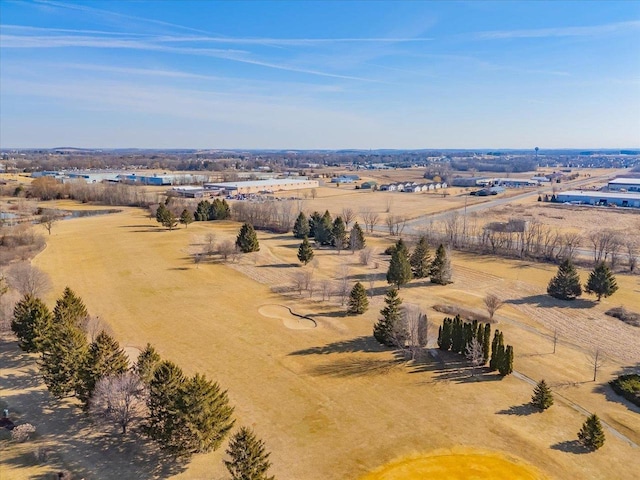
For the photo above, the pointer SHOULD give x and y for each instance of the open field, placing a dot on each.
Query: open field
(329, 401)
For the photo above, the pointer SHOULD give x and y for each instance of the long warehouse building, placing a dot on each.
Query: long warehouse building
(619, 199)
(621, 184)
(260, 186)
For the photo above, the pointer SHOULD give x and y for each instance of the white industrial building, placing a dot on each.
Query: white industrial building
(619, 199)
(260, 186)
(628, 184)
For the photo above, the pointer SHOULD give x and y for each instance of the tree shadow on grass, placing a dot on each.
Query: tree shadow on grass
(356, 367)
(519, 410)
(358, 344)
(547, 301)
(612, 396)
(451, 367)
(570, 446)
(281, 265)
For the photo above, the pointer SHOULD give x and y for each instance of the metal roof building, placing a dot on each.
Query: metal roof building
(628, 184)
(257, 186)
(620, 199)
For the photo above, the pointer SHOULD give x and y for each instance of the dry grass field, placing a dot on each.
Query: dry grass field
(329, 402)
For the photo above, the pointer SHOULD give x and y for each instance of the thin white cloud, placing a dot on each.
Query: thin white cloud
(584, 31)
(108, 13)
(85, 41)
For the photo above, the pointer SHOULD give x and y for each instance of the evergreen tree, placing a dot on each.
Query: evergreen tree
(204, 416)
(301, 227)
(591, 435)
(339, 234)
(31, 323)
(203, 211)
(486, 342)
(421, 259)
(169, 220)
(505, 366)
(69, 308)
(542, 397)
(314, 222)
(440, 271)
(63, 353)
(146, 364)
(247, 240)
(399, 272)
(457, 335)
(165, 389)
(249, 458)
(601, 282)
(497, 349)
(358, 301)
(186, 218)
(305, 252)
(566, 284)
(161, 212)
(445, 333)
(387, 329)
(219, 210)
(356, 238)
(105, 357)
(323, 229)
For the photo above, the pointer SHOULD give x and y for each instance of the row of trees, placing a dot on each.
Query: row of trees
(403, 266)
(565, 285)
(472, 340)
(533, 239)
(326, 231)
(217, 210)
(184, 415)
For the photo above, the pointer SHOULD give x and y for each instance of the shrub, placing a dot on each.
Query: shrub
(21, 433)
(628, 386)
(625, 315)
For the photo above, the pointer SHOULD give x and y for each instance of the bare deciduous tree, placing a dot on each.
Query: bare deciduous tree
(370, 219)
(325, 289)
(343, 289)
(119, 400)
(348, 215)
(314, 193)
(571, 242)
(365, 256)
(48, 220)
(474, 353)
(28, 279)
(93, 325)
(227, 249)
(210, 243)
(389, 204)
(632, 254)
(493, 304)
(414, 332)
(596, 361)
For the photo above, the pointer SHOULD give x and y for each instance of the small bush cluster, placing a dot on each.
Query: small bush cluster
(628, 386)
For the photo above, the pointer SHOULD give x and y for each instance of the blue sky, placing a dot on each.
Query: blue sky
(302, 74)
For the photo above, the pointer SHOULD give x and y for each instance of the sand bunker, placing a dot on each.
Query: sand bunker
(457, 464)
(289, 318)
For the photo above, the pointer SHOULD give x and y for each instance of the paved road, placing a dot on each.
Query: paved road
(418, 224)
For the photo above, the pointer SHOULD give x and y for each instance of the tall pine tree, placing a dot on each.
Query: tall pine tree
(70, 308)
(387, 329)
(165, 389)
(505, 366)
(247, 240)
(146, 364)
(440, 271)
(356, 238)
(301, 226)
(566, 284)
(31, 323)
(601, 282)
(339, 234)
(249, 458)
(305, 252)
(105, 358)
(399, 272)
(420, 259)
(591, 435)
(542, 397)
(358, 301)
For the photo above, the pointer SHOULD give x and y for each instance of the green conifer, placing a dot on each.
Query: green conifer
(356, 238)
(601, 282)
(399, 272)
(591, 435)
(146, 364)
(358, 301)
(69, 308)
(566, 284)
(301, 226)
(247, 240)
(542, 397)
(421, 259)
(506, 360)
(387, 329)
(249, 458)
(440, 271)
(305, 252)
(186, 218)
(31, 323)
(339, 234)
